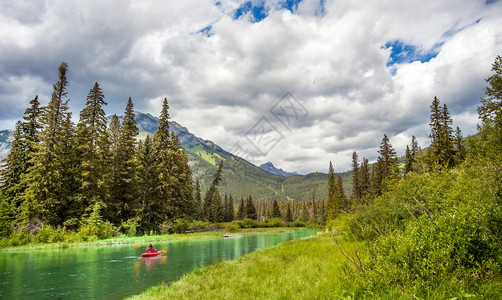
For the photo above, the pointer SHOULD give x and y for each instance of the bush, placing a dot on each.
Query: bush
(180, 226)
(232, 227)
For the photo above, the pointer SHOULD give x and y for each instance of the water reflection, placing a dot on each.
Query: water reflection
(115, 272)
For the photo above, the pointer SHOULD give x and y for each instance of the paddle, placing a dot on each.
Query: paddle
(138, 246)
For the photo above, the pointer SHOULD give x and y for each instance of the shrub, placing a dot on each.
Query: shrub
(180, 226)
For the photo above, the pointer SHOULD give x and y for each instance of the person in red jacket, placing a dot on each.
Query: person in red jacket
(150, 249)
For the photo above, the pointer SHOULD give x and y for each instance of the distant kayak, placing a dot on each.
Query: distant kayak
(149, 254)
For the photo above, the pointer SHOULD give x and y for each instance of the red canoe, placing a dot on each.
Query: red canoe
(149, 254)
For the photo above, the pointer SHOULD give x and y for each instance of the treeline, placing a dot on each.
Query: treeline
(446, 150)
(433, 224)
(96, 177)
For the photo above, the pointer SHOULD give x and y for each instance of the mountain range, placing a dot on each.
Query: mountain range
(239, 177)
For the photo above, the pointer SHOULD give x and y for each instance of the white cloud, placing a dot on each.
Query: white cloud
(221, 82)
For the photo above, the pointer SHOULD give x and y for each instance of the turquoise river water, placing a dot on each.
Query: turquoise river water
(115, 272)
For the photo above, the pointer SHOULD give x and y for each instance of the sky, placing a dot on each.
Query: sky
(299, 83)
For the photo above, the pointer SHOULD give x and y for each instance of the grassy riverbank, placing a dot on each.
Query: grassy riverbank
(299, 269)
(143, 240)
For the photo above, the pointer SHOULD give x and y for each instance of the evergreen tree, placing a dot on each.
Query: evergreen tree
(217, 208)
(197, 199)
(229, 208)
(460, 151)
(14, 167)
(288, 216)
(341, 198)
(180, 181)
(150, 210)
(51, 184)
(90, 129)
(304, 215)
(250, 209)
(240, 212)
(123, 198)
(356, 188)
(365, 183)
(5, 219)
(330, 206)
(388, 158)
(32, 127)
(441, 148)
(377, 177)
(408, 161)
(208, 198)
(276, 212)
(162, 148)
(490, 110)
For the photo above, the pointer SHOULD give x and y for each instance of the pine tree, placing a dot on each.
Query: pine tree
(51, 184)
(288, 216)
(331, 206)
(490, 110)
(388, 158)
(162, 148)
(180, 181)
(123, 198)
(229, 208)
(276, 212)
(208, 198)
(5, 219)
(150, 210)
(250, 209)
(32, 127)
(341, 198)
(356, 188)
(365, 183)
(460, 151)
(197, 199)
(441, 148)
(217, 208)
(14, 167)
(408, 161)
(90, 129)
(240, 211)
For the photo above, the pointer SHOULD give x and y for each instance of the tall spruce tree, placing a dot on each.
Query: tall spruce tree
(460, 151)
(356, 181)
(250, 209)
(180, 181)
(209, 197)
(197, 199)
(330, 205)
(276, 211)
(163, 161)
(90, 131)
(389, 159)
(123, 198)
(49, 187)
(365, 183)
(441, 149)
(490, 110)
(240, 211)
(13, 168)
(150, 210)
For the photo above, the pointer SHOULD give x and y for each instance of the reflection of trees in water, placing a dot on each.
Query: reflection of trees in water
(148, 262)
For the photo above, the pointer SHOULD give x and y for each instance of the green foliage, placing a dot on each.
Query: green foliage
(433, 231)
(180, 226)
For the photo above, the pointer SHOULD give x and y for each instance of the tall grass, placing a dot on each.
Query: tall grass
(300, 269)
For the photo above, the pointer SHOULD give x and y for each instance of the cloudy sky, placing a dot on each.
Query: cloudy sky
(299, 82)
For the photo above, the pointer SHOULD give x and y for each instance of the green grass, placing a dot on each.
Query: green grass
(142, 240)
(299, 269)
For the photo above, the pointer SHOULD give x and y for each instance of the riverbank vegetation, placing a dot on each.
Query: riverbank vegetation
(99, 179)
(428, 228)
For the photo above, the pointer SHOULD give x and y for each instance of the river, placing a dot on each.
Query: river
(115, 272)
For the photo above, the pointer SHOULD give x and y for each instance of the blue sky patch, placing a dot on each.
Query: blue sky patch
(291, 5)
(257, 10)
(207, 31)
(405, 53)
